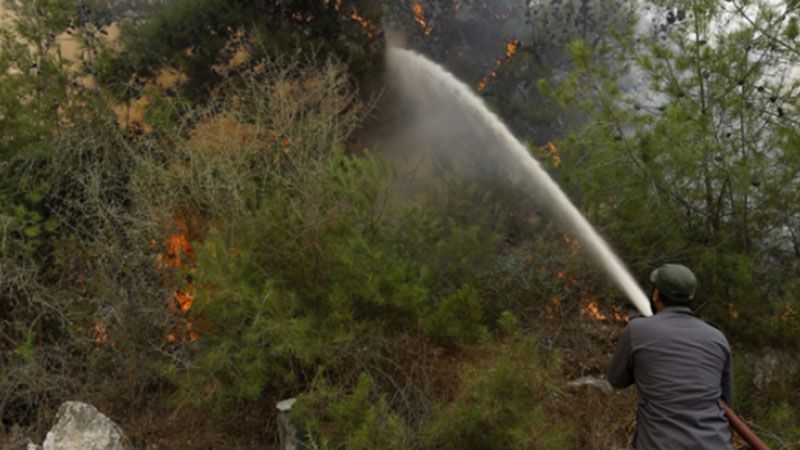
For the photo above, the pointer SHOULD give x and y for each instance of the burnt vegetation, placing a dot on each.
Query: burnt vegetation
(197, 219)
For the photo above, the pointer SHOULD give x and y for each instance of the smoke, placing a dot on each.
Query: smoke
(421, 128)
(465, 35)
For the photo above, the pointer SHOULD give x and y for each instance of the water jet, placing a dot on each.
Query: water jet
(448, 103)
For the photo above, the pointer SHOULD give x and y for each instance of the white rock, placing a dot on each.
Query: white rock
(773, 366)
(80, 426)
(286, 430)
(592, 382)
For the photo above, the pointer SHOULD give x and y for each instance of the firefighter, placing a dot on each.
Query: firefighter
(681, 366)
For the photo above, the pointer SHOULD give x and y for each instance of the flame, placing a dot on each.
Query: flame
(511, 48)
(183, 299)
(186, 334)
(497, 64)
(619, 316)
(100, 333)
(485, 80)
(732, 312)
(592, 311)
(419, 17)
(191, 335)
(369, 27)
(552, 153)
(550, 309)
(178, 253)
(178, 249)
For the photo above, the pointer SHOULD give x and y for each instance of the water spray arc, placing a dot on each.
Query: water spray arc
(437, 89)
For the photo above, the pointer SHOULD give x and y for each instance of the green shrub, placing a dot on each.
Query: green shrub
(300, 250)
(505, 401)
(280, 291)
(332, 417)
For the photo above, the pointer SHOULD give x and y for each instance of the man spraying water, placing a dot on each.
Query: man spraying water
(681, 366)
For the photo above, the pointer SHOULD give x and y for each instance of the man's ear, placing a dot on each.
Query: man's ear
(657, 300)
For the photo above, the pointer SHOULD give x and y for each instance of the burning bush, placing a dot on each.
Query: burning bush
(298, 248)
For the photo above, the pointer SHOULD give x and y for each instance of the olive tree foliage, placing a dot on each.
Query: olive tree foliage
(697, 160)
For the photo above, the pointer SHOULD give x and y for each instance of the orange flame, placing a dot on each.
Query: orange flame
(369, 27)
(497, 63)
(511, 48)
(485, 80)
(187, 334)
(178, 249)
(419, 17)
(191, 334)
(619, 316)
(183, 299)
(178, 253)
(592, 311)
(552, 153)
(550, 309)
(100, 333)
(732, 312)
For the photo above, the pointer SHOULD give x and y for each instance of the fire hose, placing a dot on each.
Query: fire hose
(743, 429)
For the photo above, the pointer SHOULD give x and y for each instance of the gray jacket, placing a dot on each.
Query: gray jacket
(682, 368)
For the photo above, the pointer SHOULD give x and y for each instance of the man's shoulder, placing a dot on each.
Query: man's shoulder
(666, 322)
(715, 330)
(712, 325)
(640, 326)
(709, 330)
(637, 321)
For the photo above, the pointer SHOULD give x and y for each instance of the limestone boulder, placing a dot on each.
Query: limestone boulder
(80, 426)
(772, 367)
(589, 382)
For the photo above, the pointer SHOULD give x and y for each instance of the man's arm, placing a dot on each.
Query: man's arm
(727, 379)
(620, 368)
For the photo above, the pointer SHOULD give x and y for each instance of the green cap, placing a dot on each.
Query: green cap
(675, 282)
